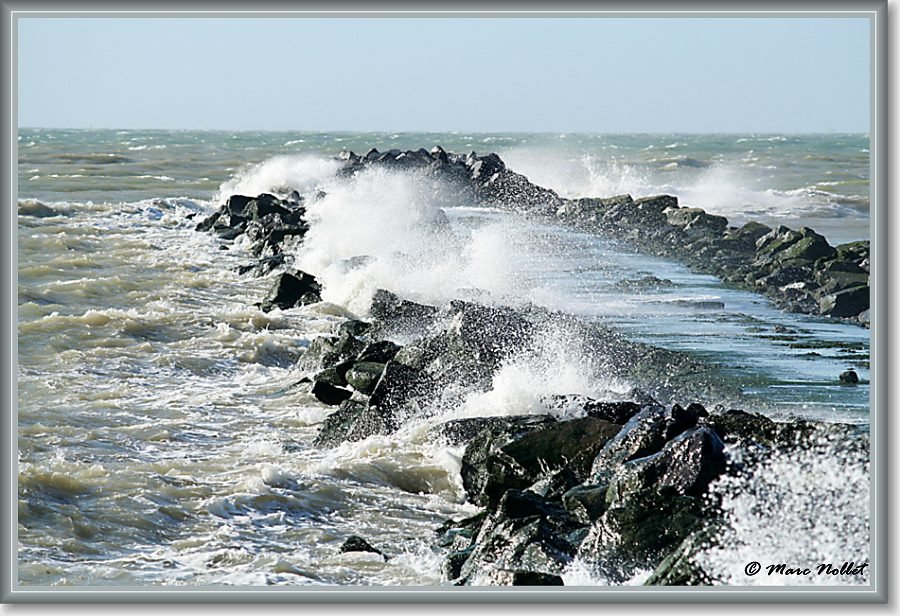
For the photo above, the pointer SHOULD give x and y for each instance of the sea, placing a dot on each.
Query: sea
(165, 439)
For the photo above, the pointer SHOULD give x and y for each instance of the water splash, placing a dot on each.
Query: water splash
(804, 509)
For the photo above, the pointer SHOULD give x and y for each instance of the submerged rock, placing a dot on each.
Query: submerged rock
(355, 543)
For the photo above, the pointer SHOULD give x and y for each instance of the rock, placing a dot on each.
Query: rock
(364, 375)
(569, 444)
(586, 502)
(458, 431)
(262, 266)
(680, 568)
(645, 433)
(750, 232)
(390, 308)
(647, 283)
(528, 534)
(353, 421)
(686, 466)
(292, 290)
(694, 218)
(398, 387)
(236, 203)
(329, 394)
(36, 209)
(354, 328)
(381, 352)
(810, 246)
(527, 578)
(335, 375)
(849, 377)
(355, 543)
(487, 472)
(847, 303)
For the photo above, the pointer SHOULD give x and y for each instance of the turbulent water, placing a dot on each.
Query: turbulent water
(163, 435)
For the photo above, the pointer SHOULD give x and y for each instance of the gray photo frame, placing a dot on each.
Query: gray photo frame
(11, 591)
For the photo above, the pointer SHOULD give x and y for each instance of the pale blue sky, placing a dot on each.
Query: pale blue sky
(489, 75)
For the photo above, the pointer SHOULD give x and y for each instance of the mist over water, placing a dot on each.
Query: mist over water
(163, 436)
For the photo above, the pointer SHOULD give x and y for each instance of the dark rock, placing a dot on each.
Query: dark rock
(355, 543)
(329, 394)
(647, 283)
(534, 540)
(381, 352)
(645, 433)
(554, 485)
(364, 375)
(571, 444)
(750, 232)
(487, 472)
(390, 308)
(236, 203)
(335, 375)
(397, 389)
(686, 465)
(262, 266)
(527, 578)
(354, 328)
(847, 303)
(292, 290)
(810, 247)
(586, 502)
(849, 377)
(680, 568)
(458, 431)
(353, 421)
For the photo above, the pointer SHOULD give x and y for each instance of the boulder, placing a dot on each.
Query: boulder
(364, 375)
(355, 543)
(846, 303)
(353, 421)
(292, 290)
(329, 394)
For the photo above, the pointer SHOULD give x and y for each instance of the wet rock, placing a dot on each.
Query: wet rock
(292, 290)
(353, 421)
(355, 543)
(847, 303)
(391, 309)
(681, 568)
(518, 454)
(645, 433)
(526, 534)
(686, 465)
(335, 375)
(849, 377)
(458, 431)
(586, 502)
(355, 328)
(329, 394)
(36, 209)
(647, 283)
(381, 352)
(487, 472)
(396, 392)
(364, 375)
(571, 444)
(262, 266)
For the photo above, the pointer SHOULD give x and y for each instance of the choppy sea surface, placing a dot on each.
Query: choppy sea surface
(163, 437)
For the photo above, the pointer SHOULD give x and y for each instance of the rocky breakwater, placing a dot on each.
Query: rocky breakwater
(623, 483)
(798, 269)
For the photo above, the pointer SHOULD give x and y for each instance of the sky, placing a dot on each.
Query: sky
(467, 74)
